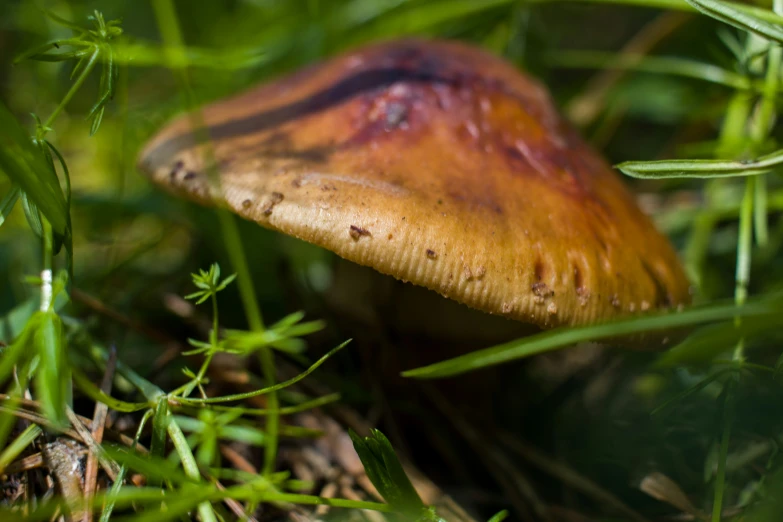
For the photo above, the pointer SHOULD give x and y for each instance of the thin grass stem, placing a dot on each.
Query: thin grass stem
(19, 444)
(48, 262)
(111, 496)
(74, 88)
(742, 275)
(723, 449)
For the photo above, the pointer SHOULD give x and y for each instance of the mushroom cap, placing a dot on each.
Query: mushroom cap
(439, 164)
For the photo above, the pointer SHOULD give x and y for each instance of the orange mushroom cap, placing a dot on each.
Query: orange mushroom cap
(439, 164)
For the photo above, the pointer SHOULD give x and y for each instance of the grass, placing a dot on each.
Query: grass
(104, 85)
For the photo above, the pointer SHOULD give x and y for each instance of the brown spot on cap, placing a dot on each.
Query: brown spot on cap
(175, 169)
(357, 232)
(274, 199)
(542, 290)
(432, 254)
(538, 270)
(468, 148)
(578, 283)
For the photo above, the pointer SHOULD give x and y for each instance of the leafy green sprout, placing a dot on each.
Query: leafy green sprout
(210, 427)
(387, 474)
(284, 335)
(209, 284)
(89, 47)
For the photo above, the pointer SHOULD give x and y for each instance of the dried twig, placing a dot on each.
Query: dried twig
(27, 463)
(43, 421)
(109, 466)
(98, 424)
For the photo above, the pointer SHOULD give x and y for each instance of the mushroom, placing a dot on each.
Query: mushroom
(439, 164)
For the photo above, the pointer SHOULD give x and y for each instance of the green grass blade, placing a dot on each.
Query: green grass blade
(771, 506)
(51, 377)
(286, 410)
(96, 394)
(731, 15)
(117, 487)
(20, 347)
(179, 504)
(386, 473)
(760, 209)
(499, 516)
(45, 52)
(650, 64)
(8, 418)
(702, 384)
(62, 21)
(8, 202)
(67, 238)
(27, 168)
(268, 389)
(155, 468)
(422, 16)
(562, 337)
(19, 444)
(159, 427)
(149, 390)
(190, 466)
(406, 496)
(238, 433)
(32, 215)
(682, 5)
(146, 54)
(708, 342)
(664, 169)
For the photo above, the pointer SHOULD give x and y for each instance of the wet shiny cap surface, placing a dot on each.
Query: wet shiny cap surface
(439, 164)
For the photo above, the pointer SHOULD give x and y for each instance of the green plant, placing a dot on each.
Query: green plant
(62, 344)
